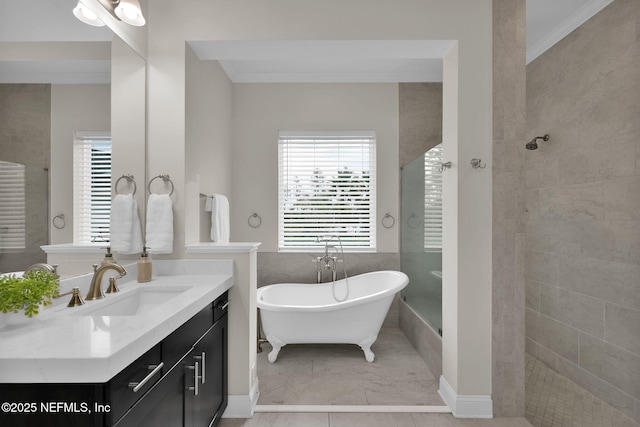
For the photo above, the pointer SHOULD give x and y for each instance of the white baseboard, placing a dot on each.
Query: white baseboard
(242, 405)
(353, 409)
(465, 406)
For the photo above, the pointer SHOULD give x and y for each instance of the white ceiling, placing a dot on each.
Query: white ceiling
(548, 21)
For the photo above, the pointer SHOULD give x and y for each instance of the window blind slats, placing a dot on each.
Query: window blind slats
(326, 186)
(92, 187)
(433, 199)
(13, 207)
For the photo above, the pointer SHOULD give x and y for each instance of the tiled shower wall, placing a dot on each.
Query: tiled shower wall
(582, 207)
(25, 134)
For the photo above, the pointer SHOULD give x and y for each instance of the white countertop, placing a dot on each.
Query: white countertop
(63, 348)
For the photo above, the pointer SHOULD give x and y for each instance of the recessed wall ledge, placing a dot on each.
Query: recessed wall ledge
(218, 248)
(70, 248)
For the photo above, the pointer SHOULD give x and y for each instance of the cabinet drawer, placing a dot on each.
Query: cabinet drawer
(121, 394)
(182, 339)
(220, 306)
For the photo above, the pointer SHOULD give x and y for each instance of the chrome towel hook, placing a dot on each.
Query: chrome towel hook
(477, 163)
(444, 166)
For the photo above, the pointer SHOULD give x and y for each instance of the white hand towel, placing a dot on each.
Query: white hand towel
(159, 224)
(218, 205)
(126, 234)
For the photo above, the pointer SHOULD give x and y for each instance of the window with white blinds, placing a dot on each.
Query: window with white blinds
(433, 199)
(91, 187)
(327, 186)
(12, 208)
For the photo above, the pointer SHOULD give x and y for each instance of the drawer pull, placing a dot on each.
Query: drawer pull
(196, 377)
(203, 362)
(223, 306)
(155, 369)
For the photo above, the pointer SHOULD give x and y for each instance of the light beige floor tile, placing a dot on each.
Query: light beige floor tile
(324, 392)
(278, 420)
(402, 392)
(287, 367)
(373, 420)
(272, 391)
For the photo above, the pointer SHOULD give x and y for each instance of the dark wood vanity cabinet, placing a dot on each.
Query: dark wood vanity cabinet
(193, 390)
(182, 381)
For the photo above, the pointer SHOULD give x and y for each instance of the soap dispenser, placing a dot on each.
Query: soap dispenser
(144, 267)
(108, 257)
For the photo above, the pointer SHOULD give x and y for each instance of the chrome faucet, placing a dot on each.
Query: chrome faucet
(95, 290)
(51, 268)
(326, 261)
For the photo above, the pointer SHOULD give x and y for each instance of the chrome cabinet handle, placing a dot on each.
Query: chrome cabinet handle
(224, 306)
(155, 369)
(195, 368)
(203, 360)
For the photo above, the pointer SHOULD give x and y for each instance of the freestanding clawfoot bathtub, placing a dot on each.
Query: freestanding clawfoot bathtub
(296, 313)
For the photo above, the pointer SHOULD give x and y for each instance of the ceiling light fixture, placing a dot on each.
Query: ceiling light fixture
(128, 11)
(86, 15)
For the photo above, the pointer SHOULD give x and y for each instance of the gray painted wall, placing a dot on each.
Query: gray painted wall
(582, 207)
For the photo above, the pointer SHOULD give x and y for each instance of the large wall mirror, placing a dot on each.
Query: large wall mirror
(60, 81)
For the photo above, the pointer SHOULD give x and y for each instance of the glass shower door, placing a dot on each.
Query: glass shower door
(421, 236)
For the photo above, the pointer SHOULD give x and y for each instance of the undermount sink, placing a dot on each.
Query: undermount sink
(132, 302)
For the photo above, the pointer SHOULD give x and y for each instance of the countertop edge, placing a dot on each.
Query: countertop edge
(85, 370)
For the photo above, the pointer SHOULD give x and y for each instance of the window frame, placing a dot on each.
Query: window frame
(432, 218)
(362, 239)
(91, 190)
(13, 211)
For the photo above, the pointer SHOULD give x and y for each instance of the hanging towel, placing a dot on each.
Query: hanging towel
(218, 205)
(124, 225)
(159, 224)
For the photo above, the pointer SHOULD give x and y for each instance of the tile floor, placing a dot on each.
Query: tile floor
(339, 375)
(553, 400)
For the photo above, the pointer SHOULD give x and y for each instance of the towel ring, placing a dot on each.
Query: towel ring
(254, 220)
(59, 224)
(165, 178)
(130, 179)
(388, 217)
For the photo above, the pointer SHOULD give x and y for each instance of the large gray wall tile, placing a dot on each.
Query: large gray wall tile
(580, 201)
(621, 201)
(580, 311)
(622, 401)
(611, 363)
(542, 267)
(622, 327)
(557, 336)
(610, 281)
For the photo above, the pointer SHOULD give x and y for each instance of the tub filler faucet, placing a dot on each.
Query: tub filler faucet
(326, 261)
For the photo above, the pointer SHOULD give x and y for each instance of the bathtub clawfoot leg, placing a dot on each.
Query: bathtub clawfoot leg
(366, 347)
(276, 344)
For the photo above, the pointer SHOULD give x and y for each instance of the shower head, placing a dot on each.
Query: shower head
(533, 145)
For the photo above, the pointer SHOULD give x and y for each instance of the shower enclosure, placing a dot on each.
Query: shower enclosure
(421, 235)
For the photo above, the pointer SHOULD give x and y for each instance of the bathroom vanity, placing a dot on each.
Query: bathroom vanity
(96, 365)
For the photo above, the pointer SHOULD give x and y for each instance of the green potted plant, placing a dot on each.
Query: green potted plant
(28, 293)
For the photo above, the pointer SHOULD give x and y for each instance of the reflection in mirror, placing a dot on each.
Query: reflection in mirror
(55, 80)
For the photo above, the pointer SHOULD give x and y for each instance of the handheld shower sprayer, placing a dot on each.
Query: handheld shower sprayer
(533, 145)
